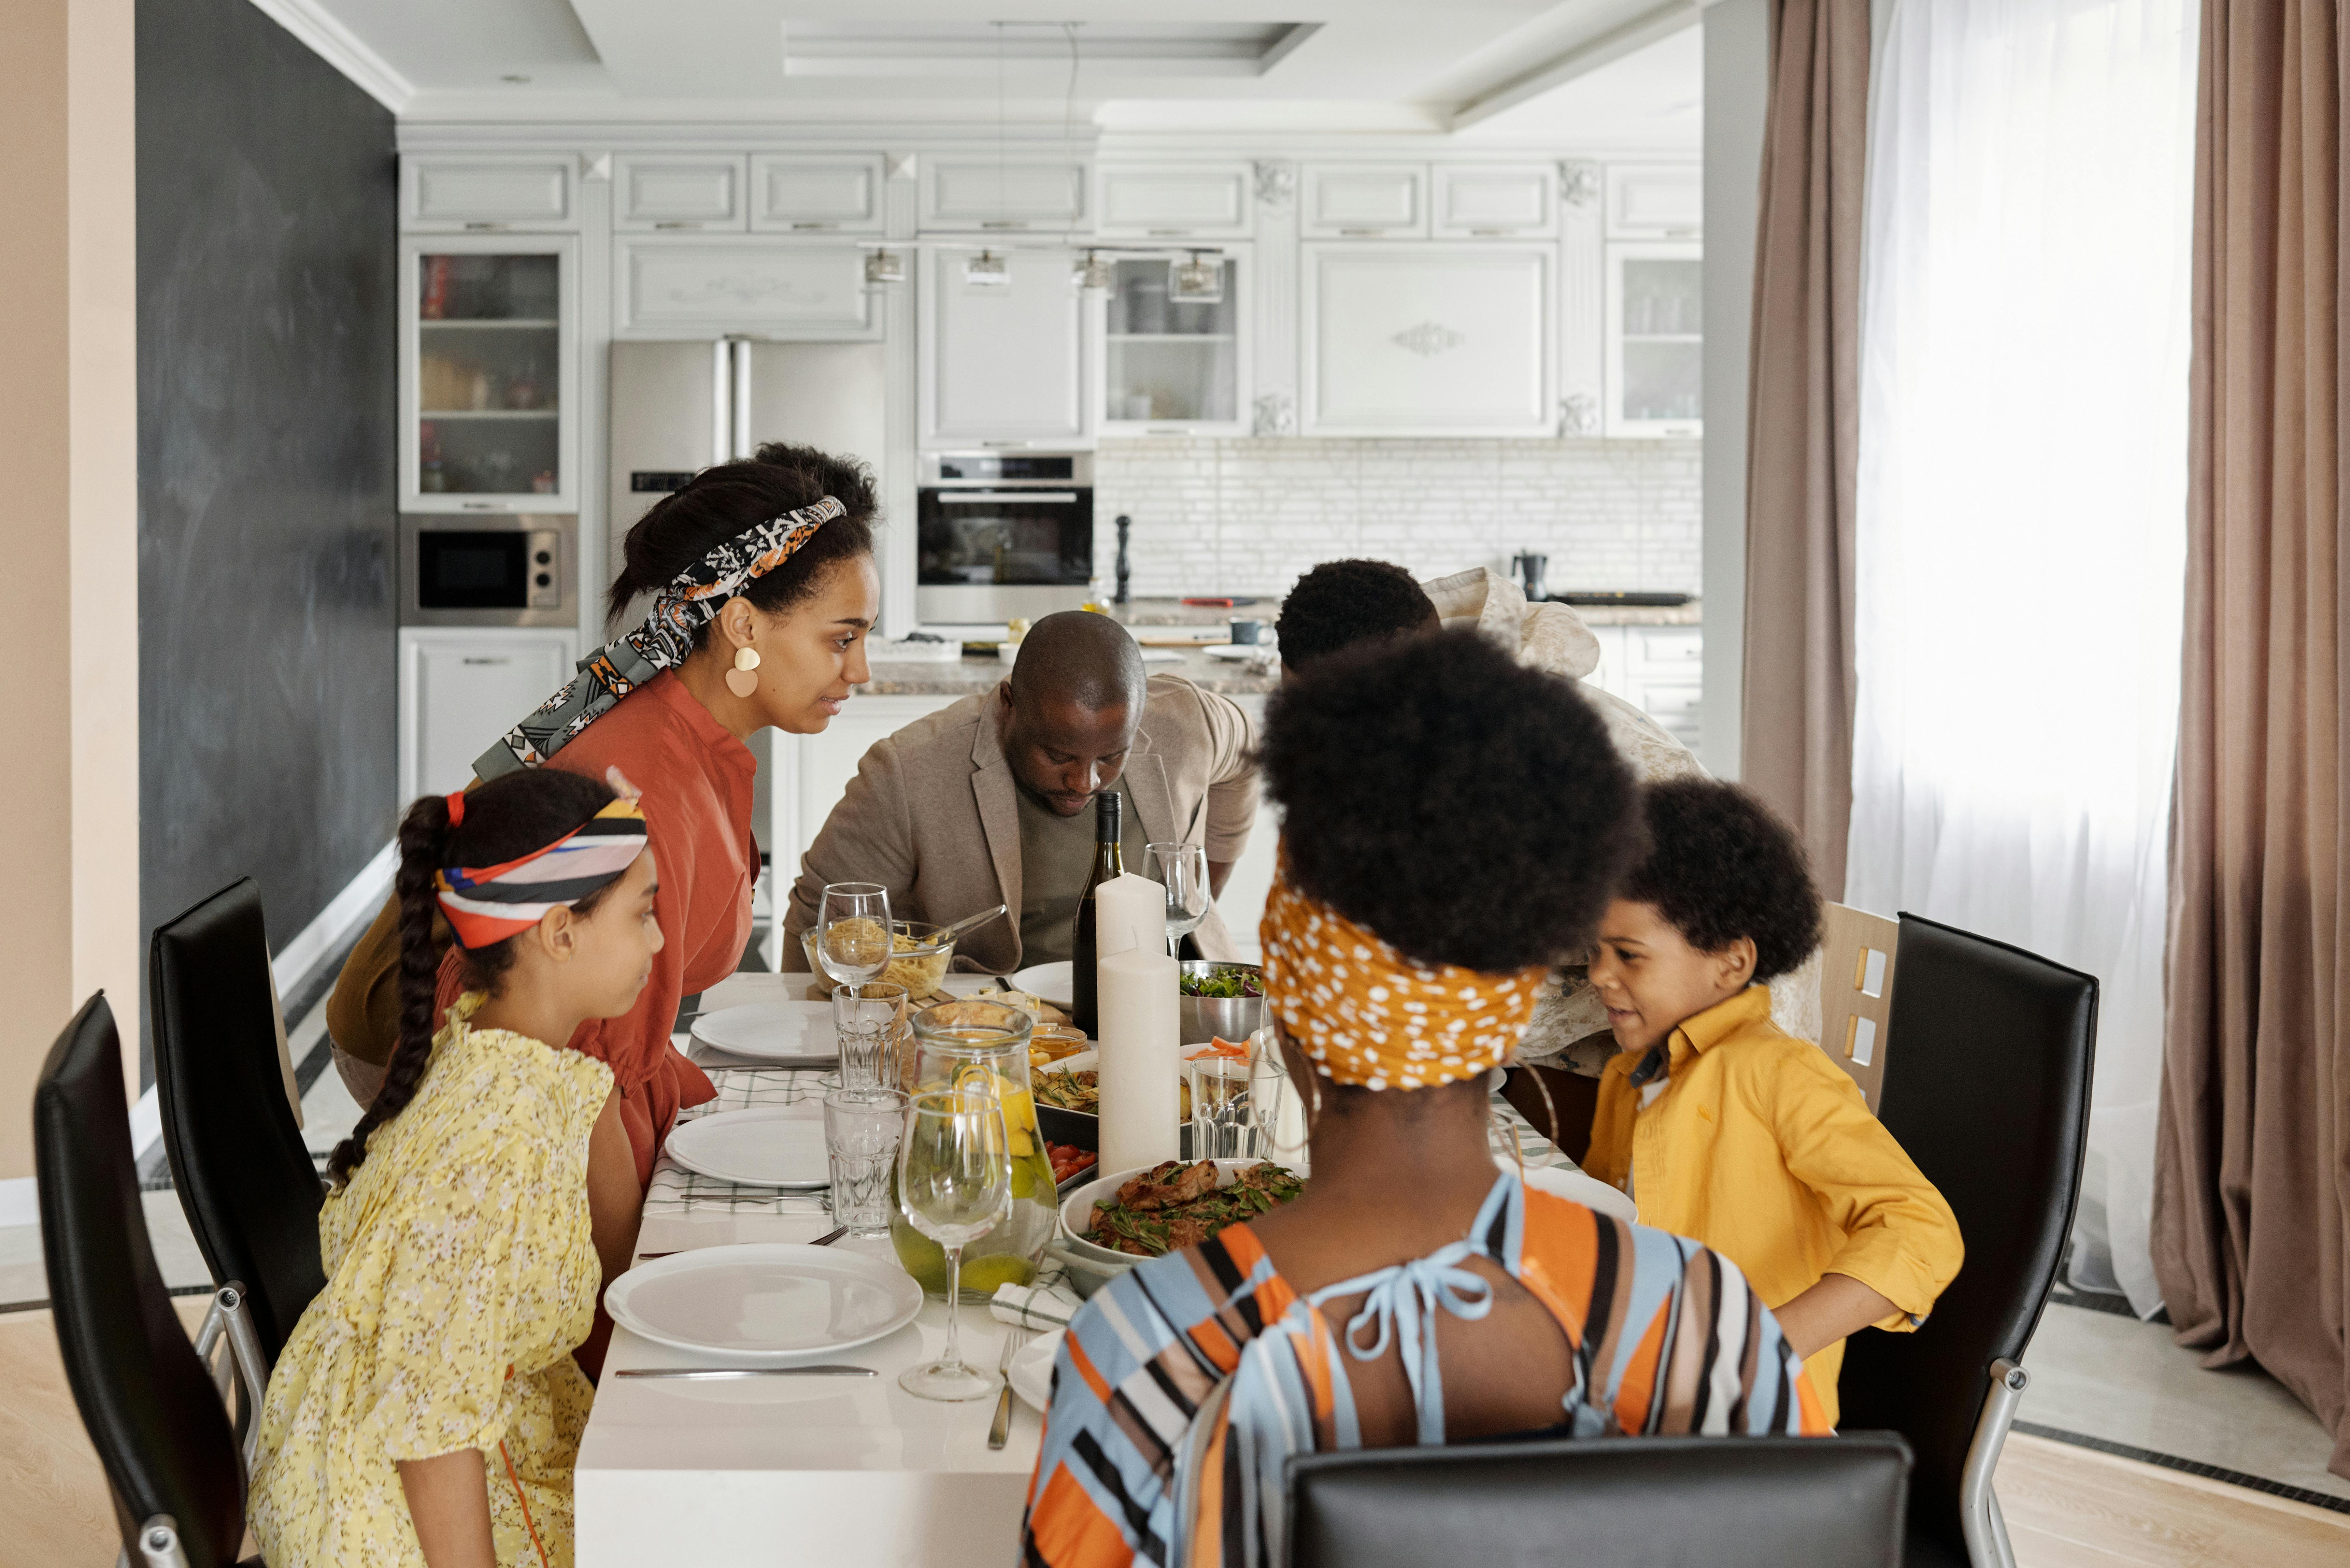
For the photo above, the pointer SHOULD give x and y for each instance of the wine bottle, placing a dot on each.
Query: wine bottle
(1085, 946)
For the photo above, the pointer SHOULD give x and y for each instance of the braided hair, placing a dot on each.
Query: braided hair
(505, 819)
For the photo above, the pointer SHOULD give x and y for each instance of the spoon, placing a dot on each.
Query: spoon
(967, 923)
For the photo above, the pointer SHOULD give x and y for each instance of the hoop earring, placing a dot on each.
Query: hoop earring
(740, 680)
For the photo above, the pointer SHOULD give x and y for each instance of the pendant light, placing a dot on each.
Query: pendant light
(1197, 278)
(1094, 272)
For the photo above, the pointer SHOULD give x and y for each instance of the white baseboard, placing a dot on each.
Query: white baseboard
(20, 1201)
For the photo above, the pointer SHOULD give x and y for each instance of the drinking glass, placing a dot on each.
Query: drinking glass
(954, 1182)
(1273, 1105)
(853, 922)
(1222, 1126)
(869, 1019)
(862, 1127)
(1184, 869)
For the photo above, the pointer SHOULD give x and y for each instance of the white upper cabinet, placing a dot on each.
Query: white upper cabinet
(1429, 340)
(1365, 200)
(1192, 200)
(1487, 201)
(678, 192)
(457, 191)
(1003, 362)
(760, 288)
(1655, 201)
(1655, 339)
(832, 193)
(489, 374)
(1046, 195)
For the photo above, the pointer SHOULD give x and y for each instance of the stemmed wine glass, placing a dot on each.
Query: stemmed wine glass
(853, 931)
(954, 1182)
(1184, 869)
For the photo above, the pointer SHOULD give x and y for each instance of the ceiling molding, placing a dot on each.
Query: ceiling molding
(340, 47)
(1581, 60)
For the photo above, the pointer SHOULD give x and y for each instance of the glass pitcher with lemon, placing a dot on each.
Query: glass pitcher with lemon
(974, 1046)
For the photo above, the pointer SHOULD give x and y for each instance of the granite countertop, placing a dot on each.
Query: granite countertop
(966, 676)
(1267, 608)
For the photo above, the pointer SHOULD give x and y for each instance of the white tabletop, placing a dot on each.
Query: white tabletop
(834, 1470)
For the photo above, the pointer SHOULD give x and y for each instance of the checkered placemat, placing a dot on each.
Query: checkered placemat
(677, 1191)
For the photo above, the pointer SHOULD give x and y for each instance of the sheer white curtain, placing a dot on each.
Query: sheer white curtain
(2021, 521)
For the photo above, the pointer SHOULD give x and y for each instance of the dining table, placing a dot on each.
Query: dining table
(846, 1471)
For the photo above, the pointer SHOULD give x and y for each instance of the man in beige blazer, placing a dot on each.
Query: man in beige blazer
(939, 813)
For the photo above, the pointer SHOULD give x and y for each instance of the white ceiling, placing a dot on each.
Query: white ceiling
(1580, 73)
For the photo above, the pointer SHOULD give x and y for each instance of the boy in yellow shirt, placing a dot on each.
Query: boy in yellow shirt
(1724, 1128)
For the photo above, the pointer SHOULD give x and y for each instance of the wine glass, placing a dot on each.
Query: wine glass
(853, 931)
(1184, 869)
(954, 1182)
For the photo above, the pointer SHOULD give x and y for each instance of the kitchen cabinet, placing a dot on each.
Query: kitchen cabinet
(1656, 339)
(1208, 201)
(460, 689)
(678, 192)
(1486, 200)
(1364, 200)
(1655, 201)
(489, 374)
(831, 194)
(1043, 195)
(1659, 669)
(760, 286)
(1434, 339)
(1168, 365)
(1004, 362)
(454, 192)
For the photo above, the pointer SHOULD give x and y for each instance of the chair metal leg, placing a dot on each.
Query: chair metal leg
(1979, 1514)
(159, 1544)
(243, 1365)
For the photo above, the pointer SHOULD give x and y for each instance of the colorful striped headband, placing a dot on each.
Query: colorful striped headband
(661, 642)
(485, 905)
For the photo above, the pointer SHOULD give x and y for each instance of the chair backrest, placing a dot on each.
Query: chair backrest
(1989, 1095)
(251, 1191)
(152, 1412)
(1858, 954)
(1609, 1503)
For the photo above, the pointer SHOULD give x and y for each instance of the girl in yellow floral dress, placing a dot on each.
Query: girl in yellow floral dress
(427, 1408)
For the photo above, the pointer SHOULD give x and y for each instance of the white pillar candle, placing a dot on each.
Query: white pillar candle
(1129, 912)
(1138, 1059)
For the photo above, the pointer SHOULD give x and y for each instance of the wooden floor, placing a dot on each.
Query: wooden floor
(2066, 1507)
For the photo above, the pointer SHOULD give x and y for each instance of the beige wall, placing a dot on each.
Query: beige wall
(69, 701)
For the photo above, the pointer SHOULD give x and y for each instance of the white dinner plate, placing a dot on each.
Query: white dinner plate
(774, 1146)
(1235, 651)
(1031, 1373)
(1053, 982)
(765, 1302)
(795, 1032)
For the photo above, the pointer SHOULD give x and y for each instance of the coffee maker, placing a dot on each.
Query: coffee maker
(1528, 569)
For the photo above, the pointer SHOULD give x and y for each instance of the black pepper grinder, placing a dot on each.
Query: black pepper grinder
(1125, 568)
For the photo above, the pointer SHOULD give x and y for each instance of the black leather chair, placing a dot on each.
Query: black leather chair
(244, 1176)
(1605, 1502)
(151, 1409)
(1988, 1056)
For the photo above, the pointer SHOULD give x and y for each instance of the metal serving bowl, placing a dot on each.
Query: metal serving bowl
(1201, 1018)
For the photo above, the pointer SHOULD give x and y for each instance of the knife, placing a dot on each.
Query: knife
(695, 1373)
(826, 1239)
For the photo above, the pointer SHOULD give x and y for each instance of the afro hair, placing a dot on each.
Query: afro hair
(1341, 603)
(1720, 867)
(1468, 809)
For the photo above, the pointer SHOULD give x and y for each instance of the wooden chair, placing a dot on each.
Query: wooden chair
(1856, 993)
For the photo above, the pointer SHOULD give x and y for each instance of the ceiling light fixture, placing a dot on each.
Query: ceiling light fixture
(1094, 272)
(985, 270)
(885, 267)
(1196, 279)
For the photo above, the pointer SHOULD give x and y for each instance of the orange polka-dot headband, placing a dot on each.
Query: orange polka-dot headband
(1367, 1014)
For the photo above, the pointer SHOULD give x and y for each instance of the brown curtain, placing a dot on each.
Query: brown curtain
(1803, 425)
(2253, 1154)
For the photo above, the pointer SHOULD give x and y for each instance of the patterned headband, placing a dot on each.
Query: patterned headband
(1368, 1015)
(692, 599)
(488, 904)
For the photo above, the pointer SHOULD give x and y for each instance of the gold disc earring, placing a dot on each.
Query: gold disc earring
(740, 680)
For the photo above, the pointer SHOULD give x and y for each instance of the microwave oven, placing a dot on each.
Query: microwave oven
(468, 569)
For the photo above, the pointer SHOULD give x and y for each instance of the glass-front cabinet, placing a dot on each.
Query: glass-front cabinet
(1656, 339)
(1174, 347)
(488, 377)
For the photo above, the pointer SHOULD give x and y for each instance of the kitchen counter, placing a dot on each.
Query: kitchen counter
(1175, 612)
(966, 676)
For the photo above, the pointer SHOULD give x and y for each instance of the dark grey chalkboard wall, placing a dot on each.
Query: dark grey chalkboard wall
(267, 376)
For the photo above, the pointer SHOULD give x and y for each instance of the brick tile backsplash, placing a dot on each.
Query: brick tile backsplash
(1245, 516)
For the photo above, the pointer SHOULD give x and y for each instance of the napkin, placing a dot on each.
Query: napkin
(1035, 1306)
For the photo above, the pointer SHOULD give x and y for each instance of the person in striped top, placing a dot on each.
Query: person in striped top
(1431, 870)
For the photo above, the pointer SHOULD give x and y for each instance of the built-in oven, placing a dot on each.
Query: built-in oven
(1002, 534)
(468, 569)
